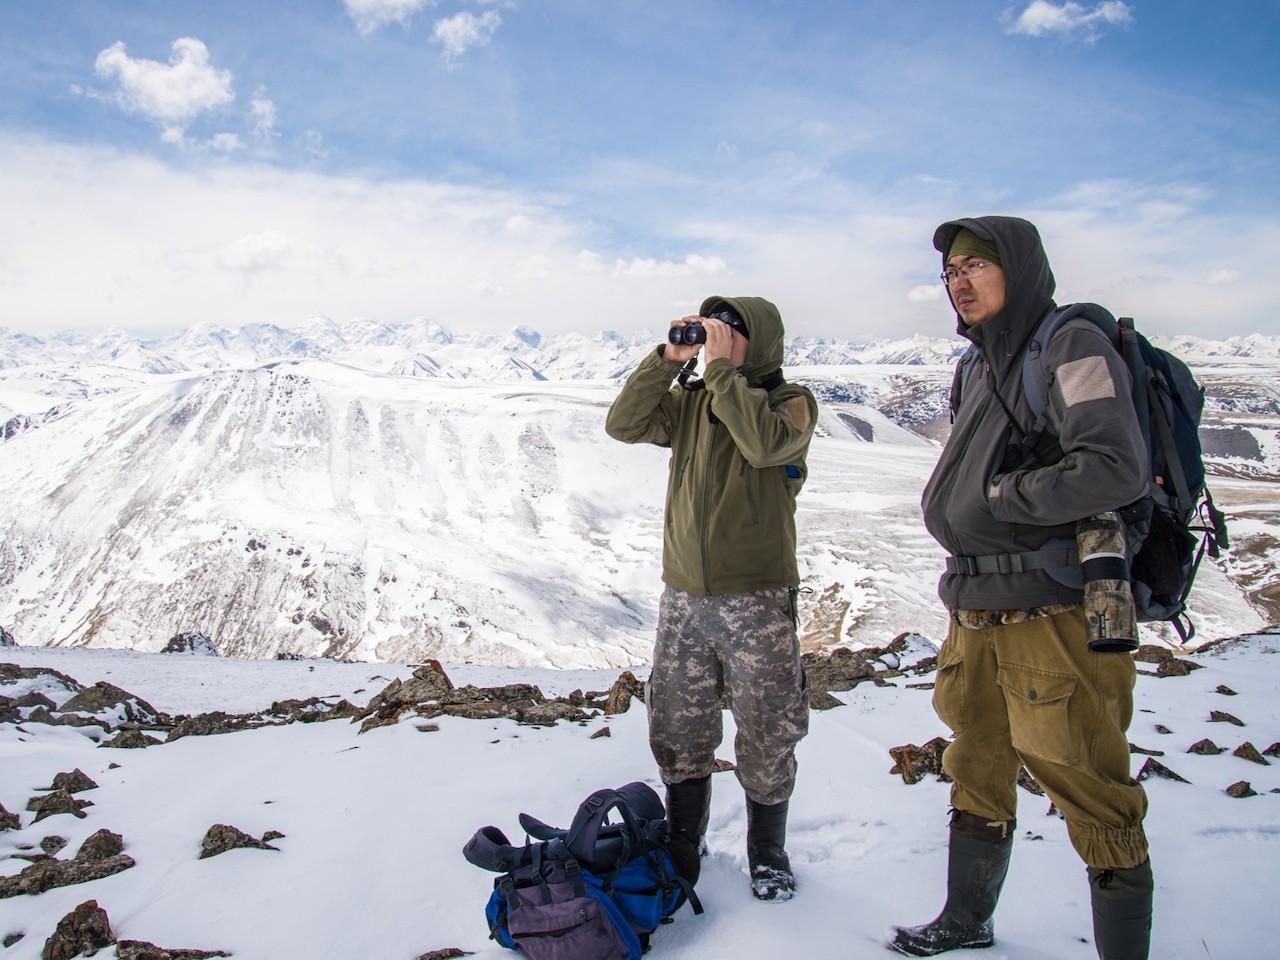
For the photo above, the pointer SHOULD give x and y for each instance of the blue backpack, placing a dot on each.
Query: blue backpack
(1172, 527)
(594, 891)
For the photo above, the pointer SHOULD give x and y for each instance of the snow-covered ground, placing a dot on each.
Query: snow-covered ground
(370, 865)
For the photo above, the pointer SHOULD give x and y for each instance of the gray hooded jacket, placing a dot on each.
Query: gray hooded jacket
(975, 504)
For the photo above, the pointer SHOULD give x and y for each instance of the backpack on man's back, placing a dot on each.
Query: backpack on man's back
(1172, 527)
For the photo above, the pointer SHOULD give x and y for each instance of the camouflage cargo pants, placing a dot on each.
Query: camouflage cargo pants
(1033, 694)
(744, 645)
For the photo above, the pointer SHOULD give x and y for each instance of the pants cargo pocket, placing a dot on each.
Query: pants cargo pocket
(1039, 706)
(948, 686)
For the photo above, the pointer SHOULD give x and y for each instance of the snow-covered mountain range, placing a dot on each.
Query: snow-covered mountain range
(397, 492)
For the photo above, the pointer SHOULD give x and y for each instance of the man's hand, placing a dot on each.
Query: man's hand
(719, 345)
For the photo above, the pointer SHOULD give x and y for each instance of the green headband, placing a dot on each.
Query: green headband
(969, 244)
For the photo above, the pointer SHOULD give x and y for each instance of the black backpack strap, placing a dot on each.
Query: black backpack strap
(1046, 558)
(584, 834)
(773, 381)
(963, 373)
(1035, 373)
(489, 849)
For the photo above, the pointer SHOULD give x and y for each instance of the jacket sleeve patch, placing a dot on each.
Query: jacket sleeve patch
(1085, 379)
(797, 411)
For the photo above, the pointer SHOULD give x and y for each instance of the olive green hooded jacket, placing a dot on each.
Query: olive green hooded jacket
(737, 459)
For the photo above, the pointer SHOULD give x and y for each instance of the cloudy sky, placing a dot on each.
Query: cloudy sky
(585, 165)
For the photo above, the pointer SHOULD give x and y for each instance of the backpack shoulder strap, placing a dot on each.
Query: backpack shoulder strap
(1035, 372)
(584, 834)
(965, 367)
(489, 849)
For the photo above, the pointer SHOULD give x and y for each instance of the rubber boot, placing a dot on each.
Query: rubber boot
(771, 876)
(977, 863)
(1122, 911)
(689, 810)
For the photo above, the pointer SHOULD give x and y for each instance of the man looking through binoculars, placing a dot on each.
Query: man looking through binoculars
(727, 617)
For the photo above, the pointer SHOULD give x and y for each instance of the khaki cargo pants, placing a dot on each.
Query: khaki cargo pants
(744, 645)
(1034, 694)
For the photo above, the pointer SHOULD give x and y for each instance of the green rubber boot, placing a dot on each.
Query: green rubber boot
(977, 863)
(1122, 911)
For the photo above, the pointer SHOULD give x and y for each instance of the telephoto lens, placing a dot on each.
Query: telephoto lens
(689, 333)
(1108, 599)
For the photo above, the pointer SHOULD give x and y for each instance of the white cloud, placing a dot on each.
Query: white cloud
(269, 250)
(1225, 275)
(459, 33)
(262, 116)
(925, 293)
(1070, 19)
(691, 266)
(488, 290)
(535, 267)
(225, 142)
(157, 247)
(169, 94)
(369, 15)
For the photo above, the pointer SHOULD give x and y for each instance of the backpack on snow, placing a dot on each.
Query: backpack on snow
(1173, 526)
(593, 891)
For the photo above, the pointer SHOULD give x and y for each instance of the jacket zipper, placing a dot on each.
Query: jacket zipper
(704, 525)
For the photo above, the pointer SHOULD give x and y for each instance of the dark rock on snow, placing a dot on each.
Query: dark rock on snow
(101, 855)
(1154, 768)
(87, 929)
(131, 740)
(1241, 789)
(77, 781)
(1206, 748)
(222, 837)
(55, 802)
(1247, 751)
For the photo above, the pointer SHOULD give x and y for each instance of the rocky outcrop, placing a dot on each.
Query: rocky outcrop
(101, 855)
(194, 643)
(915, 763)
(843, 669)
(215, 722)
(9, 821)
(87, 929)
(103, 697)
(430, 693)
(77, 781)
(11, 673)
(131, 740)
(55, 802)
(82, 932)
(6, 638)
(624, 690)
(222, 837)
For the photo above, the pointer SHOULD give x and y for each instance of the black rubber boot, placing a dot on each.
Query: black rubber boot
(689, 810)
(771, 876)
(1122, 911)
(977, 863)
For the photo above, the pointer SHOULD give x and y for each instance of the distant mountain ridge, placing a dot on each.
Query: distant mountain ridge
(398, 492)
(424, 348)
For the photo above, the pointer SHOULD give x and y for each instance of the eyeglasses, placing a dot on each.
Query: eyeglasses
(966, 270)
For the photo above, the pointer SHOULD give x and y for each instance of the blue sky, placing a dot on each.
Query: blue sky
(586, 165)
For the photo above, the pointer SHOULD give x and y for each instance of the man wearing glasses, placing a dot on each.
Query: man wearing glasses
(1016, 680)
(727, 617)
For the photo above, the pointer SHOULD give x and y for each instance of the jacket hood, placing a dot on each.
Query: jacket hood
(764, 323)
(1029, 284)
